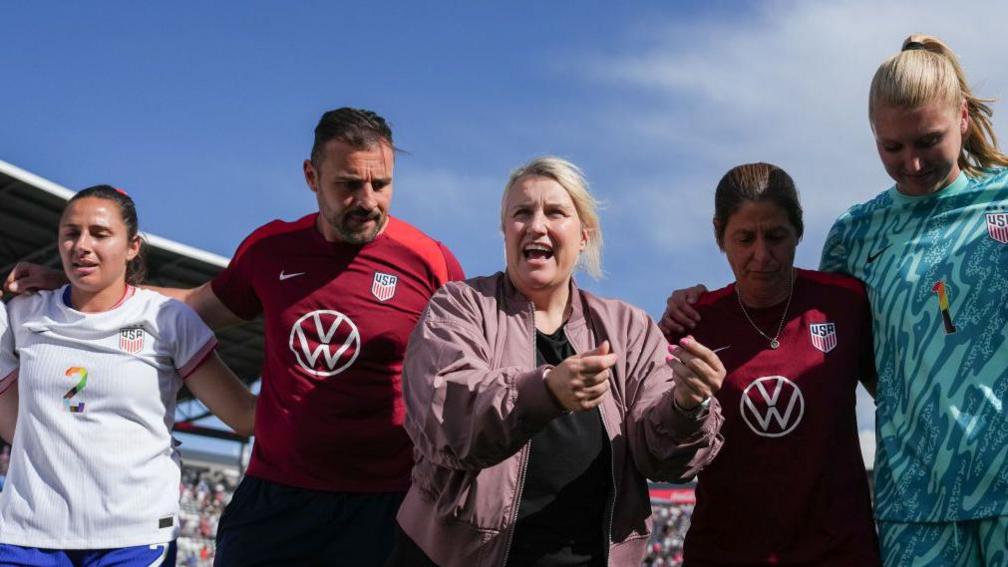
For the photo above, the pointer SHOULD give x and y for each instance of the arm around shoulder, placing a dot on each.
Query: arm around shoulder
(204, 302)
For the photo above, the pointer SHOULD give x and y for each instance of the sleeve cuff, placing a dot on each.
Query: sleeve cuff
(198, 359)
(535, 403)
(686, 426)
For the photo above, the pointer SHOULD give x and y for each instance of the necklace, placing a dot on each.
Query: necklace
(774, 343)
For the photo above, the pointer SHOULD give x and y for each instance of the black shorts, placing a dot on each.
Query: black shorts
(407, 553)
(272, 524)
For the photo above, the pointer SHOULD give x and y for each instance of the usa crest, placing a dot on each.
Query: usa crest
(823, 335)
(997, 226)
(383, 286)
(131, 339)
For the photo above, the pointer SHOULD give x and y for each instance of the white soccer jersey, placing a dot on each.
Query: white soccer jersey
(8, 363)
(93, 463)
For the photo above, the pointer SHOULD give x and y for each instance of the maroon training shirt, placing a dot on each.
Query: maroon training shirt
(789, 484)
(337, 318)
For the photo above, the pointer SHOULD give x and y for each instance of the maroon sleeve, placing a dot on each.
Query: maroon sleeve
(455, 272)
(234, 286)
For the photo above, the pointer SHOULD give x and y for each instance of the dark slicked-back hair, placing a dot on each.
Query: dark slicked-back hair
(356, 127)
(136, 269)
(755, 182)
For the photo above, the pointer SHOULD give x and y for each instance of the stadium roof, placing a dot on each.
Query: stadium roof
(30, 207)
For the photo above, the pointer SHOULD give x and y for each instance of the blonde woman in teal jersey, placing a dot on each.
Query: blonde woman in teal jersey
(933, 253)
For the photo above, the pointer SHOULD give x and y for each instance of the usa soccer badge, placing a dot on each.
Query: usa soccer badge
(131, 339)
(823, 335)
(383, 286)
(997, 227)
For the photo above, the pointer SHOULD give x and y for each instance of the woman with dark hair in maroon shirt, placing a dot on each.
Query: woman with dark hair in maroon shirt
(789, 486)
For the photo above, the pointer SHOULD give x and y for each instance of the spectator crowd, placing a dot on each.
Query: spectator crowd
(204, 494)
(670, 522)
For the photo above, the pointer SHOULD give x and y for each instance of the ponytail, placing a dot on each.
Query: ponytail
(927, 70)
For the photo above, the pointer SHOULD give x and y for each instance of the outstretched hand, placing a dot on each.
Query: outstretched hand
(580, 381)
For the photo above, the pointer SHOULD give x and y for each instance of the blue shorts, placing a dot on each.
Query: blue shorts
(159, 554)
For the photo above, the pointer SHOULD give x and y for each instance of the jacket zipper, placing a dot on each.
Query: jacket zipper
(524, 462)
(612, 478)
(607, 536)
(517, 504)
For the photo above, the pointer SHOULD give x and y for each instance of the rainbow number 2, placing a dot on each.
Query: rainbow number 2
(81, 374)
(943, 306)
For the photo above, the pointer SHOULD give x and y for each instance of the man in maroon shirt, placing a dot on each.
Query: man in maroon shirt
(340, 290)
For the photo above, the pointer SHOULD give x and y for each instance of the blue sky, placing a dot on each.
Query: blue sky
(203, 112)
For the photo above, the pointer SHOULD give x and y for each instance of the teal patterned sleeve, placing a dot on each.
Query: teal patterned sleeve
(835, 250)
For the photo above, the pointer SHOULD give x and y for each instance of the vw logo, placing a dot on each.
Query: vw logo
(772, 406)
(325, 342)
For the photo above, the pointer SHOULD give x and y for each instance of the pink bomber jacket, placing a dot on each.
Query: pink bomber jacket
(474, 397)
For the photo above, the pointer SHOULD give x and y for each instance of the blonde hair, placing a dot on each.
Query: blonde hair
(570, 177)
(927, 70)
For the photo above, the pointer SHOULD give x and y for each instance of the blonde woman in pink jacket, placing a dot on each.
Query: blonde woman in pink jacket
(538, 410)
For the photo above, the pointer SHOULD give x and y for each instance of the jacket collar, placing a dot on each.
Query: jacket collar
(516, 302)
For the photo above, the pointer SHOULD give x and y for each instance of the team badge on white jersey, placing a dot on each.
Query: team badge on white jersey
(772, 406)
(997, 226)
(823, 335)
(131, 339)
(383, 286)
(325, 342)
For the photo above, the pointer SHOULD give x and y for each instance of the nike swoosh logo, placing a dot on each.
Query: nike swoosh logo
(873, 257)
(284, 276)
(717, 350)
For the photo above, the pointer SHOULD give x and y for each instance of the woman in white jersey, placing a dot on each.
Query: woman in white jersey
(94, 474)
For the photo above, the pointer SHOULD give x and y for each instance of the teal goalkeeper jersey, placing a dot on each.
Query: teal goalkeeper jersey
(936, 270)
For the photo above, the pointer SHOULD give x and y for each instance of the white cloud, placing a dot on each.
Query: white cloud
(788, 86)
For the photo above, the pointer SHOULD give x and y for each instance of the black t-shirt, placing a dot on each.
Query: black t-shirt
(563, 511)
